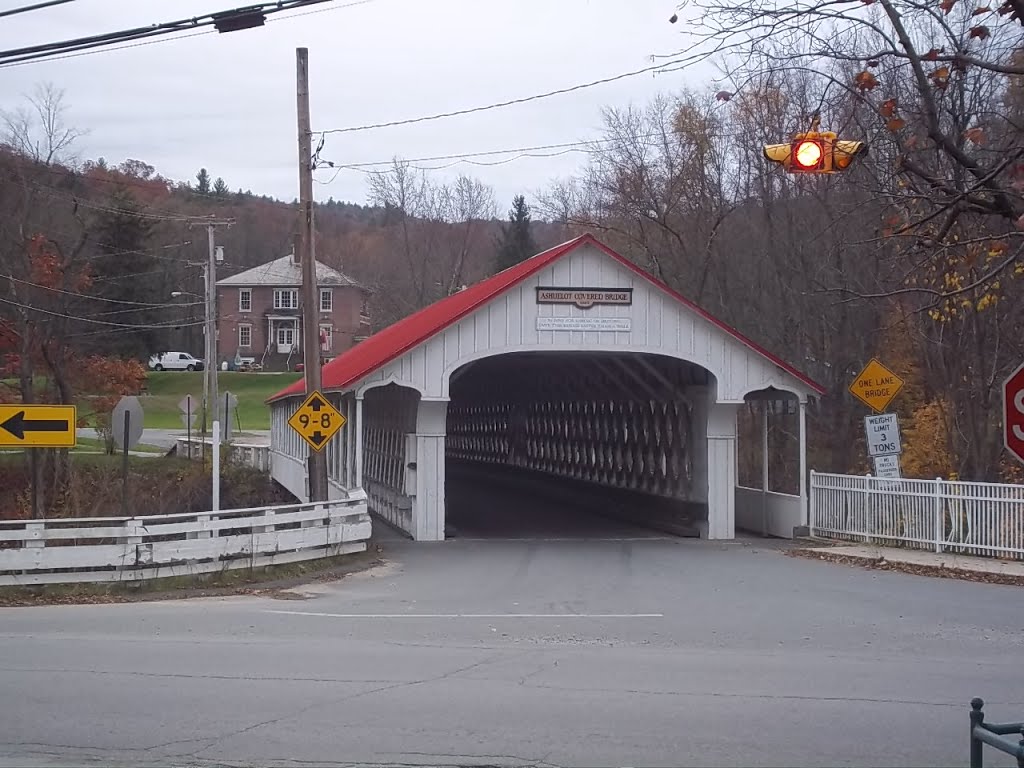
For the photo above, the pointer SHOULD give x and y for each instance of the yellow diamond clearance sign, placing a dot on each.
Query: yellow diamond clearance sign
(316, 421)
(876, 386)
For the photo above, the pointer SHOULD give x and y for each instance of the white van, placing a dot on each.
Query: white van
(175, 361)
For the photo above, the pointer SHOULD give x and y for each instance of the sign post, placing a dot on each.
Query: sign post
(38, 426)
(187, 406)
(126, 429)
(1013, 413)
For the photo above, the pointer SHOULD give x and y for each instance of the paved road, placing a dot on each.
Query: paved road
(597, 645)
(168, 438)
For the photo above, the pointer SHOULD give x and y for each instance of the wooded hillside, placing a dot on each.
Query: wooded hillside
(912, 256)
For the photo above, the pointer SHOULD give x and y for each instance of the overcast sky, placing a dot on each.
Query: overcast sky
(227, 101)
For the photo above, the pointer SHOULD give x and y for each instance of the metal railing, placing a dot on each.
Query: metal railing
(993, 734)
(984, 519)
(104, 549)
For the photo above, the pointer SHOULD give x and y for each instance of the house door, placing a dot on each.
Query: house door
(285, 339)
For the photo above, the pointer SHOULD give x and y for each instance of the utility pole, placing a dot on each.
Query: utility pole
(317, 468)
(210, 331)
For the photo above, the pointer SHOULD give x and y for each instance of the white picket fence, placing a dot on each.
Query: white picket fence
(984, 519)
(104, 549)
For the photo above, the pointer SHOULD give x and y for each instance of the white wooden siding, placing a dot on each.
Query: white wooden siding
(659, 325)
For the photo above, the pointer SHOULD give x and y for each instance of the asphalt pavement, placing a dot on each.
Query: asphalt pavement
(572, 641)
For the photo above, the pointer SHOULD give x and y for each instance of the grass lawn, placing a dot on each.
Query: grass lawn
(91, 444)
(165, 389)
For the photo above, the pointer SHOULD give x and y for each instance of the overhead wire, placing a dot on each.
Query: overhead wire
(46, 50)
(501, 104)
(33, 7)
(104, 49)
(135, 304)
(140, 326)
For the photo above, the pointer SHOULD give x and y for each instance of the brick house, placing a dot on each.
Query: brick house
(260, 314)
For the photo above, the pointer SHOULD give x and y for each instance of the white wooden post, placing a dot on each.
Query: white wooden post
(216, 465)
(358, 426)
(812, 510)
(764, 468)
(867, 508)
(804, 506)
(940, 522)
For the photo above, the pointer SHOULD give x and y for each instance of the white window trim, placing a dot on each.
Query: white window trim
(280, 293)
(243, 291)
(330, 336)
(330, 298)
(249, 328)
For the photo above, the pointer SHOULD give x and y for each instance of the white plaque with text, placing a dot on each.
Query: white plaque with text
(584, 324)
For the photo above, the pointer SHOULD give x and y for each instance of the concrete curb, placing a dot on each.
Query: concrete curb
(881, 563)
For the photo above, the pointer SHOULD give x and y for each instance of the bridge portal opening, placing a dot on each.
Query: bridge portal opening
(576, 444)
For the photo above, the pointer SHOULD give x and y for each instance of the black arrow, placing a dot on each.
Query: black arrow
(316, 403)
(317, 437)
(18, 425)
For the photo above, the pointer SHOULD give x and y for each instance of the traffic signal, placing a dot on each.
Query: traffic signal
(815, 152)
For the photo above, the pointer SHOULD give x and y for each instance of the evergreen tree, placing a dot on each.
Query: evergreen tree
(203, 182)
(126, 272)
(220, 188)
(516, 242)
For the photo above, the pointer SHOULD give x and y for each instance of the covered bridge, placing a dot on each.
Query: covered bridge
(575, 371)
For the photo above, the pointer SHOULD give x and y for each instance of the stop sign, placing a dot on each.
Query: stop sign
(1013, 413)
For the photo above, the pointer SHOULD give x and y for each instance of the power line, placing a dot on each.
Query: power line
(34, 7)
(135, 304)
(97, 49)
(221, 20)
(501, 104)
(139, 326)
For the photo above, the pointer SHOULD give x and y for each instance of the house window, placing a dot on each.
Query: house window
(326, 300)
(245, 335)
(326, 338)
(245, 300)
(286, 298)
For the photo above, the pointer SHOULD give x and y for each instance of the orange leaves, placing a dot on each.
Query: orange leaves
(981, 10)
(940, 77)
(933, 54)
(888, 110)
(975, 135)
(865, 81)
(980, 32)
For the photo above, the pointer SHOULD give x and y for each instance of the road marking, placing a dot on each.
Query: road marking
(471, 615)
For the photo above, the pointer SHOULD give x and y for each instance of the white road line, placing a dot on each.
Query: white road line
(472, 615)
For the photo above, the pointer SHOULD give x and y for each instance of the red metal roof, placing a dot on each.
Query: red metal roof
(388, 344)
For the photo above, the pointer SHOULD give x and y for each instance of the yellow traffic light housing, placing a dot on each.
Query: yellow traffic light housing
(815, 152)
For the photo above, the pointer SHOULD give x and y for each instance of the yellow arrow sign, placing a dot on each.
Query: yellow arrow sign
(38, 426)
(876, 386)
(316, 421)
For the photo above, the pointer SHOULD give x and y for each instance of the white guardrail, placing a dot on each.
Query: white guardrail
(105, 549)
(985, 519)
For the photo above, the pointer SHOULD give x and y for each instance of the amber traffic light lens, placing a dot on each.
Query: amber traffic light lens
(808, 154)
